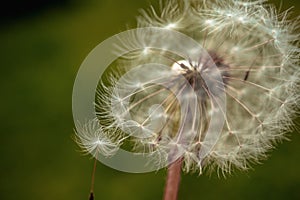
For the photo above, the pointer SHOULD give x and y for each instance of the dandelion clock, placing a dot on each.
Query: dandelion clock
(200, 86)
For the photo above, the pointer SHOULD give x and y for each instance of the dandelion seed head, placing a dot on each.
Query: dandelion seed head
(248, 45)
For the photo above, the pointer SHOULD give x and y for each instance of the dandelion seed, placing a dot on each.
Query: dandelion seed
(93, 140)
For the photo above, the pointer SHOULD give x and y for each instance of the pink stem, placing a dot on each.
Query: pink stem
(173, 180)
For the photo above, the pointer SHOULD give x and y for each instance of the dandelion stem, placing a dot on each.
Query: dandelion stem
(93, 180)
(173, 180)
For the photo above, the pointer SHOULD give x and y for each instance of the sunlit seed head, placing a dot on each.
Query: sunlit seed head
(253, 50)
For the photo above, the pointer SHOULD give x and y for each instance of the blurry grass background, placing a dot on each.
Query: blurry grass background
(42, 46)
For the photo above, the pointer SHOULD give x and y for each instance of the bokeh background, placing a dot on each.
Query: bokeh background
(42, 46)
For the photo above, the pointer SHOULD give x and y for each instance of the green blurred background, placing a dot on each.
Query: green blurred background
(42, 46)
